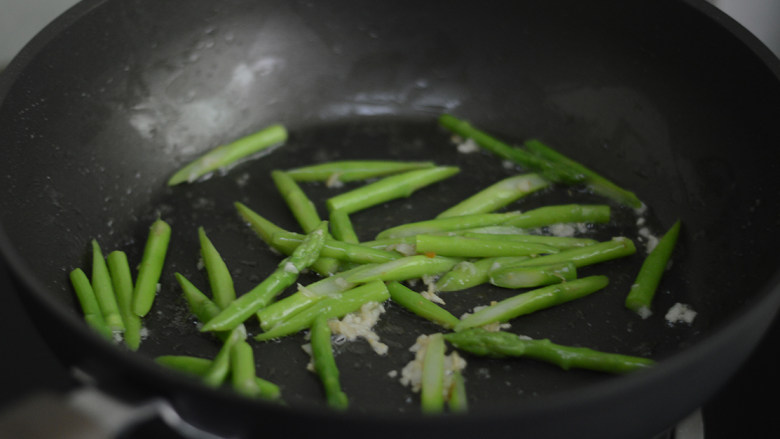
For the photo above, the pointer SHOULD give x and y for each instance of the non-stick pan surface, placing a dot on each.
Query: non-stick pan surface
(668, 99)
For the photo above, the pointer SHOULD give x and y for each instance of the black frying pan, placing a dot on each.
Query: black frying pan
(670, 99)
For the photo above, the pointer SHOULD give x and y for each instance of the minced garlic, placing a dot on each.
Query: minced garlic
(411, 374)
(361, 324)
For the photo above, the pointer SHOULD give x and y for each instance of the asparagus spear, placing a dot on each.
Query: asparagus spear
(303, 209)
(419, 305)
(285, 274)
(185, 363)
(559, 242)
(543, 159)
(458, 401)
(331, 286)
(330, 307)
(343, 251)
(325, 363)
(351, 170)
(409, 267)
(391, 243)
(104, 290)
(449, 224)
(199, 367)
(220, 280)
(464, 247)
(527, 277)
(266, 230)
(504, 233)
(498, 195)
(468, 274)
(220, 367)
(640, 296)
(261, 226)
(499, 233)
(122, 281)
(342, 228)
(548, 169)
(203, 308)
(151, 267)
(225, 155)
(505, 344)
(432, 385)
(566, 213)
(532, 301)
(242, 370)
(89, 305)
(615, 248)
(389, 188)
(199, 304)
(592, 180)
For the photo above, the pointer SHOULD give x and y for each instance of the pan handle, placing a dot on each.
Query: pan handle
(88, 413)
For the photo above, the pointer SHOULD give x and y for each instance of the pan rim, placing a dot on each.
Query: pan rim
(769, 294)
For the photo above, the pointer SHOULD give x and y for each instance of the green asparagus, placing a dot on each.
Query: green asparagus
(467, 274)
(89, 305)
(242, 370)
(203, 308)
(104, 290)
(559, 214)
(341, 227)
(303, 209)
(409, 267)
(343, 251)
(185, 363)
(532, 301)
(559, 242)
(498, 195)
(393, 244)
(505, 344)
(330, 307)
(225, 155)
(535, 276)
(546, 168)
(432, 385)
(220, 366)
(449, 224)
(285, 274)
(267, 230)
(261, 226)
(506, 256)
(199, 367)
(592, 180)
(420, 306)
(389, 188)
(640, 297)
(325, 363)
(465, 247)
(615, 248)
(151, 267)
(220, 280)
(352, 170)
(457, 402)
(331, 286)
(122, 281)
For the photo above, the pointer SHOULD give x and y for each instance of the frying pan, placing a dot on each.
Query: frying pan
(669, 98)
